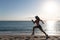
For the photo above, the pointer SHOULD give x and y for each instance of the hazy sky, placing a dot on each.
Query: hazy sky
(27, 9)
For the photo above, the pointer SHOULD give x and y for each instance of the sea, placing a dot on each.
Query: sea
(51, 27)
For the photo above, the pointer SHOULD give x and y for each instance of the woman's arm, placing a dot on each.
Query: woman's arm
(42, 21)
(33, 21)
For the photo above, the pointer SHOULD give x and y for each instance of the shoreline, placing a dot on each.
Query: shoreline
(28, 37)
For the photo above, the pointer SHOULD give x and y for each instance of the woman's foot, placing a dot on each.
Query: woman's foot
(47, 37)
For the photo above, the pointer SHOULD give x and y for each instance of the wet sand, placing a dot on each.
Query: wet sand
(28, 37)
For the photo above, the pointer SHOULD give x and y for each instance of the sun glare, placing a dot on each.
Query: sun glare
(49, 10)
(50, 27)
(51, 7)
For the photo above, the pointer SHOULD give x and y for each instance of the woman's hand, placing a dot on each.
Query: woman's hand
(32, 20)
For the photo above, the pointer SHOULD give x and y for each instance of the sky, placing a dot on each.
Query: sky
(27, 9)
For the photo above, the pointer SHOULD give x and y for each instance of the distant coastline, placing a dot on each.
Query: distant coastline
(17, 20)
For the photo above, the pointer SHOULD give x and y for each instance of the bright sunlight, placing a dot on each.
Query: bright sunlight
(50, 25)
(50, 10)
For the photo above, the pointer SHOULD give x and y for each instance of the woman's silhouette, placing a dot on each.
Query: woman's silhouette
(38, 25)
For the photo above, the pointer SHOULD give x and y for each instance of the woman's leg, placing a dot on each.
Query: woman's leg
(33, 30)
(42, 30)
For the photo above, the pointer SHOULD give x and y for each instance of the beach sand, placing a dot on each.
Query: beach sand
(28, 37)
